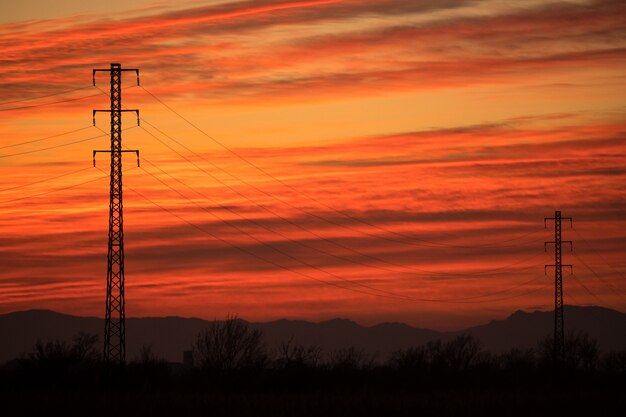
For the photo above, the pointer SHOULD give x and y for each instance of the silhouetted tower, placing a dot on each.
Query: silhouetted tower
(115, 318)
(559, 325)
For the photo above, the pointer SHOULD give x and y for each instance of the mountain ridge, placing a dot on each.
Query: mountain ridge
(169, 336)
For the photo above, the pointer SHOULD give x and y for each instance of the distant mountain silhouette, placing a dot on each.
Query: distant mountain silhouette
(170, 336)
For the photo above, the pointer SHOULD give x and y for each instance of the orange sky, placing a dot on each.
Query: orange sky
(377, 160)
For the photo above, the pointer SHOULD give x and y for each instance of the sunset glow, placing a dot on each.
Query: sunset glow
(378, 160)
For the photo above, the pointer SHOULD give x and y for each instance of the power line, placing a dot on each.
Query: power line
(51, 147)
(598, 276)
(50, 191)
(342, 258)
(520, 285)
(375, 258)
(58, 146)
(202, 207)
(587, 289)
(45, 96)
(248, 252)
(422, 241)
(292, 240)
(268, 245)
(46, 138)
(307, 212)
(475, 273)
(45, 180)
(316, 279)
(379, 292)
(49, 103)
(596, 252)
(267, 228)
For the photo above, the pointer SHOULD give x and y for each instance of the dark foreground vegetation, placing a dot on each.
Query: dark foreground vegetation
(234, 374)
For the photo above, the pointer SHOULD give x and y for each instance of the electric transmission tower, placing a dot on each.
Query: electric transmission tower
(559, 326)
(115, 316)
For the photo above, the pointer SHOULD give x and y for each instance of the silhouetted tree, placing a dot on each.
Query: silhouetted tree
(411, 359)
(457, 355)
(291, 355)
(85, 347)
(58, 353)
(545, 351)
(581, 351)
(60, 362)
(461, 353)
(49, 353)
(228, 345)
(351, 359)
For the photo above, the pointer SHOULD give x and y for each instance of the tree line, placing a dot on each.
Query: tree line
(233, 345)
(234, 373)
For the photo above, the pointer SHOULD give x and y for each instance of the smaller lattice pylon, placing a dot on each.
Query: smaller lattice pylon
(559, 321)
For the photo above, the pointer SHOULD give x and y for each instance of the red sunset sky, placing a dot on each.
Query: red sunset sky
(383, 160)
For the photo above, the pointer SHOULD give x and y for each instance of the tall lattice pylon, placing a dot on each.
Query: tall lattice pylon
(115, 316)
(559, 322)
